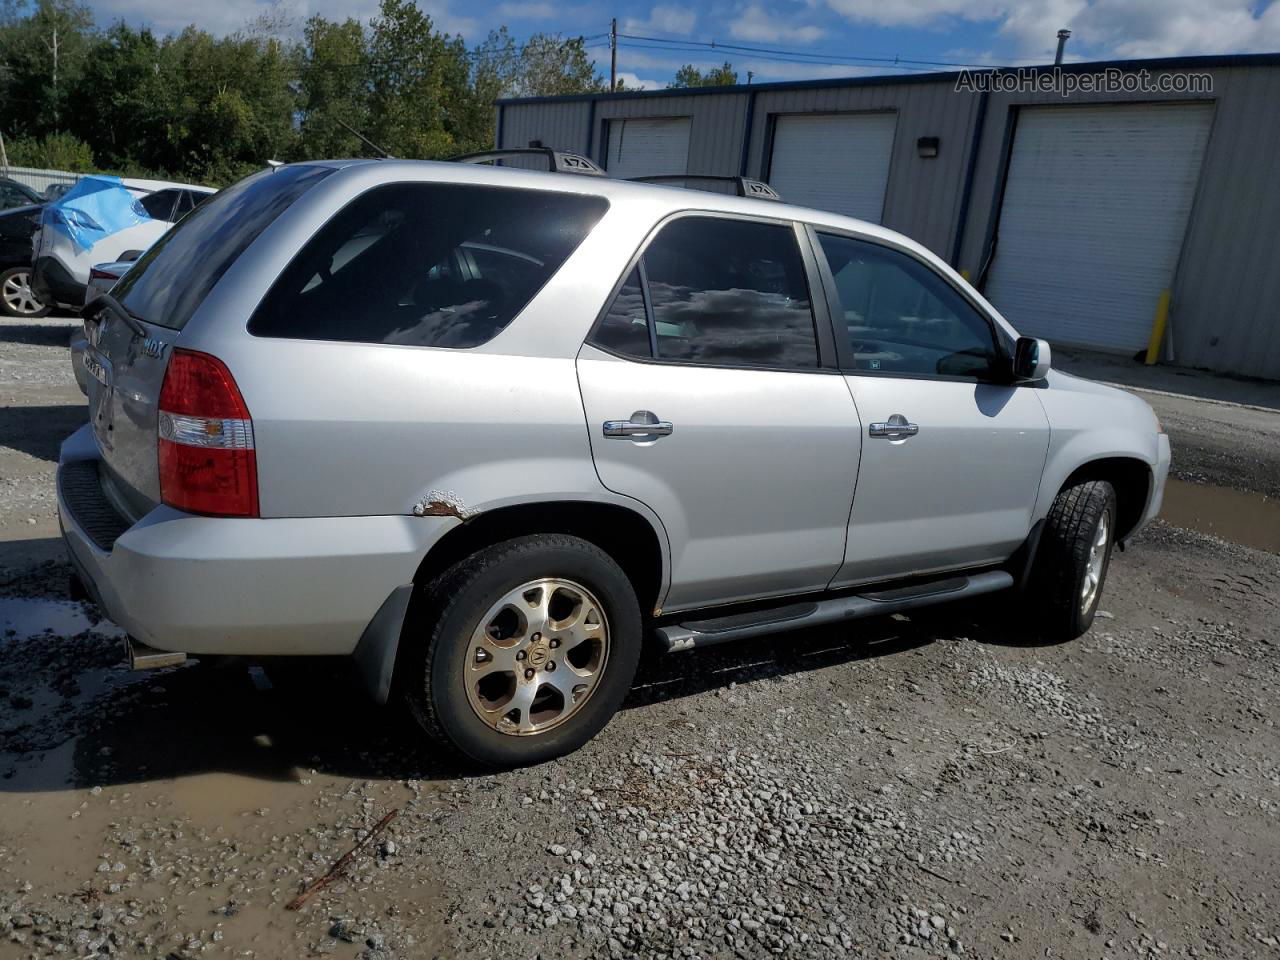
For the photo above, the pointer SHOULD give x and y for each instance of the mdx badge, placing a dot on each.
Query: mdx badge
(153, 347)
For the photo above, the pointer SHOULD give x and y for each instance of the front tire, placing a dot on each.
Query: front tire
(523, 651)
(16, 296)
(1072, 560)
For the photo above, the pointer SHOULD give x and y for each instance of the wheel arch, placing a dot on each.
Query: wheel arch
(1130, 477)
(636, 542)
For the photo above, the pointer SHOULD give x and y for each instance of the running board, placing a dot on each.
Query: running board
(742, 626)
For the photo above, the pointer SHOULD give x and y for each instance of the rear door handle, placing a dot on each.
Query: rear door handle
(643, 425)
(898, 428)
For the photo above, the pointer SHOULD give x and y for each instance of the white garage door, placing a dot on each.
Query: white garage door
(1095, 209)
(648, 147)
(837, 162)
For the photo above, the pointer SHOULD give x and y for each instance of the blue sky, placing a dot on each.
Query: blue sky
(953, 31)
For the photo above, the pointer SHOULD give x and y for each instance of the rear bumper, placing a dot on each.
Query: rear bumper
(53, 283)
(209, 585)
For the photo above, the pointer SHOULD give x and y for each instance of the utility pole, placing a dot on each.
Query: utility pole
(613, 54)
(750, 75)
(1062, 44)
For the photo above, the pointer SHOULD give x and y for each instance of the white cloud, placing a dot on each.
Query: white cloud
(634, 82)
(1110, 28)
(228, 16)
(1177, 27)
(663, 19)
(756, 23)
(527, 11)
(665, 66)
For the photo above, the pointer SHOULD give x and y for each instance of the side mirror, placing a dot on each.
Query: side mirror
(1030, 359)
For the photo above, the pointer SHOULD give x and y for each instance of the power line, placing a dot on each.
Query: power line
(816, 55)
(774, 58)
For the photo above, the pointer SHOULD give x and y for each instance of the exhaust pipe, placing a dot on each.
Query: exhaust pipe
(143, 657)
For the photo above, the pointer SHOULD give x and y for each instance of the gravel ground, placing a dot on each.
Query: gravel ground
(931, 786)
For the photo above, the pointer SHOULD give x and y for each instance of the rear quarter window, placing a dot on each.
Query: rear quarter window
(426, 264)
(171, 280)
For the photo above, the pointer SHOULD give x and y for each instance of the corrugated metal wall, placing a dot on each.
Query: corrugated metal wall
(558, 124)
(1227, 286)
(715, 135)
(1226, 293)
(922, 198)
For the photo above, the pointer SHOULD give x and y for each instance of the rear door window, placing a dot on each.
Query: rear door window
(177, 272)
(426, 264)
(721, 292)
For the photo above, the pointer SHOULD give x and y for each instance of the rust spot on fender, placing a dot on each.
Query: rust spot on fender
(439, 503)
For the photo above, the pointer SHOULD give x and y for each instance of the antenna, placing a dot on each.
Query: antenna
(354, 132)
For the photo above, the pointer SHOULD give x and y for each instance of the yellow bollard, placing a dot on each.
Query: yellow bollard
(1157, 327)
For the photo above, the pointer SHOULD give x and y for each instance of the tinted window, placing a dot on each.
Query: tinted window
(160, 204)
(901, 317)
(177, 272)
(624, 329)
(730, 292)
(432, 265)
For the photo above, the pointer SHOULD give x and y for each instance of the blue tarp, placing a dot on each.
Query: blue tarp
(94, 208)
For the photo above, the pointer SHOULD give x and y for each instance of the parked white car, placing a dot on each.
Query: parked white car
(61, 257)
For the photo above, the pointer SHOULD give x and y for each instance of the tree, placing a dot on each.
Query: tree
(333, 67)
(417, 78)
(53, 151)
(551, 65)
(43, 47)
(691, 76)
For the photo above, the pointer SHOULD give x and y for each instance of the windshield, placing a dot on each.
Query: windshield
(171, 280)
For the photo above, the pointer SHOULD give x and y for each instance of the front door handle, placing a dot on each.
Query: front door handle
(896, 429)
(643, 425)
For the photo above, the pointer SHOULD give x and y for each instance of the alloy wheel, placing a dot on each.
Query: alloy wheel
(537, 656)
(1097, 558)
(18, 296)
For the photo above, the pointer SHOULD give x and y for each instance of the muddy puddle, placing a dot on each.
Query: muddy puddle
(24, 617)
(1251, 519)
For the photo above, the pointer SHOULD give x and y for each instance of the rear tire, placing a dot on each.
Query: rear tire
(16, 297)
(523, 651)
(1072, 560)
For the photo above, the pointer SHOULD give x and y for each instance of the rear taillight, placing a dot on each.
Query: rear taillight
(96, 274)
(207, 460)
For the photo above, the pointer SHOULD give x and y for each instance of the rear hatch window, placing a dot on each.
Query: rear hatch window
(171, 280)
(426, 264)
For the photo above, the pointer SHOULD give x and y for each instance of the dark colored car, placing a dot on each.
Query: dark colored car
(16, 297)
(15, 194)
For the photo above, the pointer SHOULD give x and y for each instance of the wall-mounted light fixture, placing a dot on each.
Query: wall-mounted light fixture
(927, 147)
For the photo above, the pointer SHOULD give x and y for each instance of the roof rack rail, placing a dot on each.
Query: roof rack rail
(557, 160)
(746, 187)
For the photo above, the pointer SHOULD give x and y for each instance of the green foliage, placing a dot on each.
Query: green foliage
(691, 76)
(209, 109)
(57, 151)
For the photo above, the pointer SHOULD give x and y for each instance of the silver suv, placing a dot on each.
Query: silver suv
(487, 430)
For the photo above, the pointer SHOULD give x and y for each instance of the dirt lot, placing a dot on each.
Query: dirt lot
(914, 787)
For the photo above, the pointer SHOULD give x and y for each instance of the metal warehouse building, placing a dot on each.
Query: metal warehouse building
(1072, 214)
